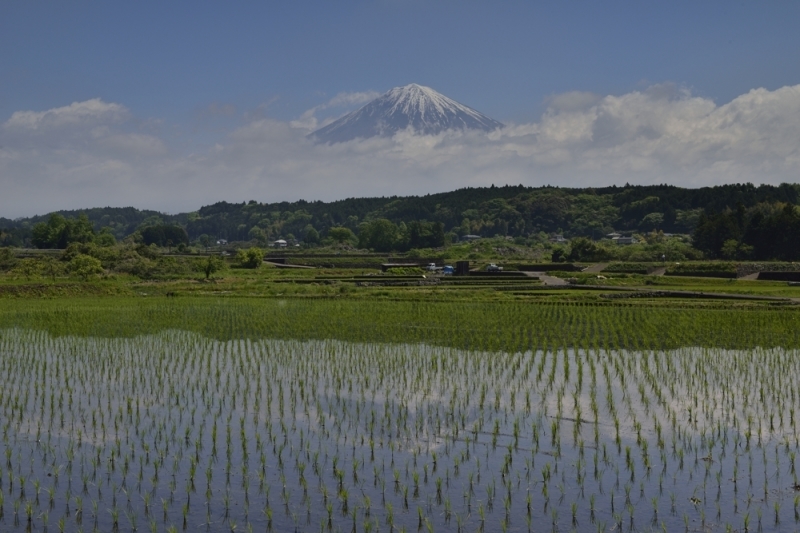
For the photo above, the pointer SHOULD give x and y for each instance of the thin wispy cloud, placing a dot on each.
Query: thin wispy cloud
(92, 111)
(342, 102)
(97, 153)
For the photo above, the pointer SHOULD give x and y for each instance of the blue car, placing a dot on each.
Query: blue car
(448, 270)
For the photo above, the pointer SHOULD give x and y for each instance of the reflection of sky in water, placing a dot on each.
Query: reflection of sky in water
(281, 427)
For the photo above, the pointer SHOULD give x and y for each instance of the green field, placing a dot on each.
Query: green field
(340, 399)
(227, 413)
(481, 325)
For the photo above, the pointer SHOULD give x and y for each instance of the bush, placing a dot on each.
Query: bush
(27, 267)
(250, 258)
(141, 267)
(582, 249)
(161, 268)
(85, 266)
(7, 259)
(716, 266)
(630, 267)
(108, 256)
(105, 238)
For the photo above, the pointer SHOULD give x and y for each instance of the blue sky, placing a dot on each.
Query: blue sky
(176, 84)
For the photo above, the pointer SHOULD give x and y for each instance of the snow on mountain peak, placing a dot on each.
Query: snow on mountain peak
(412, 106)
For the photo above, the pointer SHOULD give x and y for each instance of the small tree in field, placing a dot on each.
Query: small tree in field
(250, 258)
(213, 264)
(51, 268)
(27, 267)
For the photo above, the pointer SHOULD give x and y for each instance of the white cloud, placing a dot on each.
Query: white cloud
(309, 120)
(573, 101)
(351, 99)
(90, 153)
(77, 113)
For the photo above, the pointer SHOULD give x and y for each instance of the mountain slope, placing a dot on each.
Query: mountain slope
(422, 109)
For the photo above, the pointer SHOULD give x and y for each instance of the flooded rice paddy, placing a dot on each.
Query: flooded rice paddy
(175, 431)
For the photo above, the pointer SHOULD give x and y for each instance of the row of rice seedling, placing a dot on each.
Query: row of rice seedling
(507, 326)
(174, 430)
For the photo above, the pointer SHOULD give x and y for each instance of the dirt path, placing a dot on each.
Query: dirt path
(599, 267)
(282, 265)
(550, 281)
(639, 292)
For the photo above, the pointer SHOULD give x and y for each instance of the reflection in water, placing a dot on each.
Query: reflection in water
(177, 430)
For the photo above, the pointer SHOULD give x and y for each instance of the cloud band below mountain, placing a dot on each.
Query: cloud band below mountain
(96, 153)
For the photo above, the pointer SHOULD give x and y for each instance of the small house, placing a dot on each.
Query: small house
(625, 240)
(280, 243)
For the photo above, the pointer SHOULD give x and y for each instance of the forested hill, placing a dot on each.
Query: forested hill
(121, 221)
(509, 210)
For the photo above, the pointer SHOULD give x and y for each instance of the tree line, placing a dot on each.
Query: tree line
(763, 232)
(713, 215)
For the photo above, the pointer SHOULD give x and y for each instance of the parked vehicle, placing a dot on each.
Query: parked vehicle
(448, 270)
(494, 268)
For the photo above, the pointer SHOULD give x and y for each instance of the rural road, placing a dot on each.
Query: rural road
(546, 280)
(599, 267)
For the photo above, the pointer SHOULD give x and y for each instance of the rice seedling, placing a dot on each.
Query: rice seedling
(451, 428)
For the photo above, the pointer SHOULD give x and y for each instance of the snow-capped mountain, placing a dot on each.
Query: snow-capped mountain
(420, 108)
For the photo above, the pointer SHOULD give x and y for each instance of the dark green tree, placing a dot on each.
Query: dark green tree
(380, 235)
(59, 232)
(582, 249)
(164, 235)
(341, 234)
(312, 235)
(558, 255)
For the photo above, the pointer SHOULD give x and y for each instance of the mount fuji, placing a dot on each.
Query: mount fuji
(419, 108)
